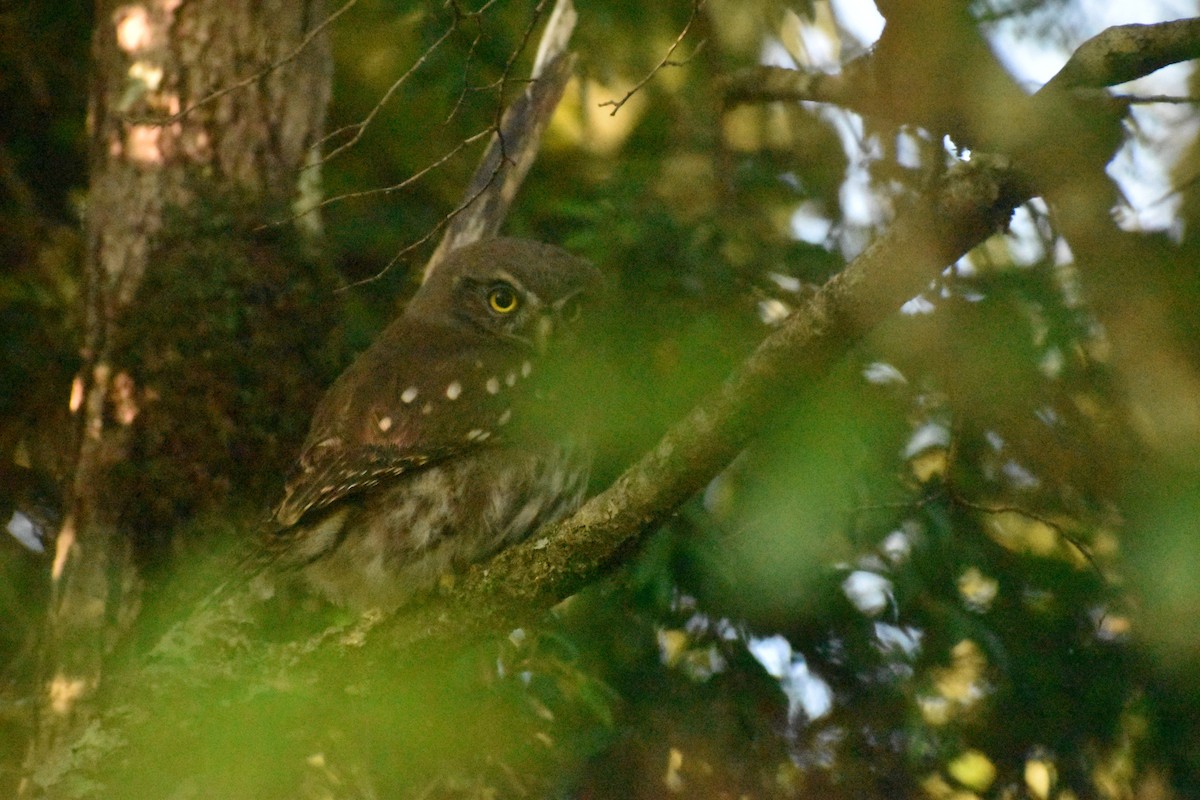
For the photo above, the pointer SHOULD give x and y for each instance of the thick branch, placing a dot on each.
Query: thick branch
(1125, 52)
(971, 204)
(1061, 138)
(1115, 55)
(524, 580)
(767, 84)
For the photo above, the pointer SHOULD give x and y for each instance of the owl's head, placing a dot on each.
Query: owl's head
(520, 290)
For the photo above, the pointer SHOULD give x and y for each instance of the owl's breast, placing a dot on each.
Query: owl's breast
(382, 548)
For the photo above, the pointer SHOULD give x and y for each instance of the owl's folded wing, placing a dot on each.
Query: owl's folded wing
(419, 394)
(330, 472)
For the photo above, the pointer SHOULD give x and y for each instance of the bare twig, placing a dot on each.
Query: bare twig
(404, 184)
(517, 138)
(384, 190)
(1053, 525)
(360, 127)
(666, 61)
(501, 83)
(466, 72)
(442, 223)
(956, 497)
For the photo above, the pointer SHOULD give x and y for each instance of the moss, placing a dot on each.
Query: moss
(228, 347)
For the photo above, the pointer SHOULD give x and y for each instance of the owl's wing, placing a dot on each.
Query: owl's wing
(401, 406)
(329, 473)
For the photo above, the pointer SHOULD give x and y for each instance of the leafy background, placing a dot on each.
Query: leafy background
(954, 568)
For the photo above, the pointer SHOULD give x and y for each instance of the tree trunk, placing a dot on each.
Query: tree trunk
(252, 82)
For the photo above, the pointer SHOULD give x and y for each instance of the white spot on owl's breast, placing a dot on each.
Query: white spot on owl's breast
(526, 368)
(427, 409)
(385, 424)
(453, 390)
(409, 394)
(477, 435)
(511, 379)
(492, 385)
(505, 417)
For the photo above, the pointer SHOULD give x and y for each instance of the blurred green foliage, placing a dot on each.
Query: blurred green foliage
(951, 570)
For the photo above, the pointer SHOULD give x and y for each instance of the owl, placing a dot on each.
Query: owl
(426, 454)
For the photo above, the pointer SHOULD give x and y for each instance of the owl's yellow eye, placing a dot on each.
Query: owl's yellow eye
(502, 299)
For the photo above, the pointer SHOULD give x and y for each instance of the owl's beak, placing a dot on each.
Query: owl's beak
(559, 321)
(543, 332)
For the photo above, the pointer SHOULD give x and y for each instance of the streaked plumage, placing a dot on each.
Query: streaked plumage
(419, 458)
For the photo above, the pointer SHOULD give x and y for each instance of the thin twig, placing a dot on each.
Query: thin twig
(958, 499)
(1057, 527)
(666, 62)
(442, 223)
(361, 126)
(384, 189)
(466, 72)
(512, 59)
(480, 186)
(519, 128)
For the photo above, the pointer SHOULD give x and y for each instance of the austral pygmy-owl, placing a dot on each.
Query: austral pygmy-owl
(420, 458)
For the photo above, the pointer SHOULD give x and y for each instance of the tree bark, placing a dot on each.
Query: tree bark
(162, 135)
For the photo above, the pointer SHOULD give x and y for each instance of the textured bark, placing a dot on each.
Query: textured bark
(151, 62)
(207, 649)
